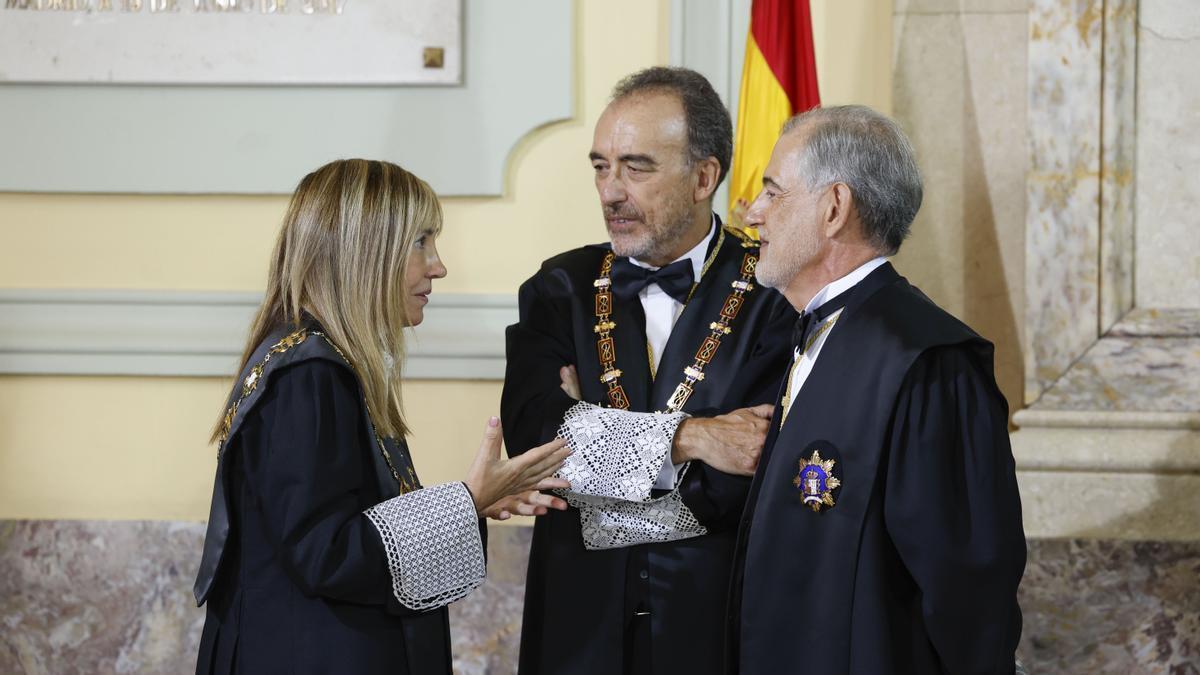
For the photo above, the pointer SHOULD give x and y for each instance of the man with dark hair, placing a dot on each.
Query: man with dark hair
(883, 530)
(653, 356)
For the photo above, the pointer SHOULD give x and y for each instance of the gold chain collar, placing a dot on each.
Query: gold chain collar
(606, 348)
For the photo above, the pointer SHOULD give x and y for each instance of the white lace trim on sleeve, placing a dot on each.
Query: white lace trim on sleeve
(616, 460)
(434, 551)
(607, 523)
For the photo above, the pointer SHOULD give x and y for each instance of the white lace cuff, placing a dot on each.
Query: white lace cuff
(616, 453)
(617, 458)
(434, 551)
(608, 523)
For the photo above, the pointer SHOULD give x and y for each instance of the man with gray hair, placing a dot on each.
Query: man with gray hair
(882, 533)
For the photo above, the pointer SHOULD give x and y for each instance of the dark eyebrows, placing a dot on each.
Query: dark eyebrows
(638, 159)
(770, 182)
(626, 159)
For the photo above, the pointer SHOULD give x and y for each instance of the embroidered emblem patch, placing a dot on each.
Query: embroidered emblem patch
(816, 481)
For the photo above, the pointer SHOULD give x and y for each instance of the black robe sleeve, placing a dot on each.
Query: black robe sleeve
(304, 453)
(953, 511)
(717, 498)
(533, 403)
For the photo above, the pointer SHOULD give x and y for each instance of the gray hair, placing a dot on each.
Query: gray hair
(709, 129)
(869, 152)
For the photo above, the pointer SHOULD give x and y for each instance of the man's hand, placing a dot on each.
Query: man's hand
(731, 443)
(570, 382)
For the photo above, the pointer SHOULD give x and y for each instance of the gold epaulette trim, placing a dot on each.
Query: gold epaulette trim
(747, 240)
(250, 383)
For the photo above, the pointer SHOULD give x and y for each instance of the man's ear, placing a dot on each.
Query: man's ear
(707, 174)
(838, 208)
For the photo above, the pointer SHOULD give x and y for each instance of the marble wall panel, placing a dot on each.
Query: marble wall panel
(1142, 322)
(116, 597)
(1168, 155)
(486, 625)
(1118, 147)
(1146, 374)
(1111, 608)
(1063, 191)
(959, 90)
(98, 597)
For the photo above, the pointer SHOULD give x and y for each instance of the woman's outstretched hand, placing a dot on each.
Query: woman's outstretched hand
(532, 503)
(506, 487)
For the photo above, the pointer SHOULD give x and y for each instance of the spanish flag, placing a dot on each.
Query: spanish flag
(779, 79)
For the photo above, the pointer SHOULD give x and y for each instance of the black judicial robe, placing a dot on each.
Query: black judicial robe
(294, 575)
(577, 602)
(915, 568)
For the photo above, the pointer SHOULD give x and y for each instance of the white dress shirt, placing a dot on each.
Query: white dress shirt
(803, 361)
(662, 311)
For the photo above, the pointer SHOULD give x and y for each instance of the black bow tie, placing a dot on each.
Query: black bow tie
(800, 329)
(675, 279)
(808, 321)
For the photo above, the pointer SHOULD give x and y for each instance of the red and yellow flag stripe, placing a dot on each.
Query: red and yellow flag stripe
(779, 79)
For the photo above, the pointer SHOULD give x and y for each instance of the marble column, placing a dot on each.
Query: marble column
(1168, 155)
(1062, 244)
(1108, 451)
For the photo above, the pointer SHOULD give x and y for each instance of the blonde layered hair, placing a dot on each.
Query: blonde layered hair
(342, 257)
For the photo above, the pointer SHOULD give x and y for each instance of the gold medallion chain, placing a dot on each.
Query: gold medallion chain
(606, 348)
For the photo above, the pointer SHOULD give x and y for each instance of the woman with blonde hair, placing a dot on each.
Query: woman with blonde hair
(324, 553)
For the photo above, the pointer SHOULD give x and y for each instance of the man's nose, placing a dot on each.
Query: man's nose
(612, 190)
(754, 215)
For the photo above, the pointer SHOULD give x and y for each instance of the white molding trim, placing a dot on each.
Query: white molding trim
(163, 333)
(1037, 418)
